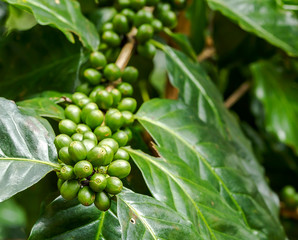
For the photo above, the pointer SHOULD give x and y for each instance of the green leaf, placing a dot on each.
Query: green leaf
(278, 93)
(200, 154)
(27, 151)
(19, 19)
(70, 220)
(64, 15)
(198, 92)
(263, 18)
(43, 107)
(143, 217)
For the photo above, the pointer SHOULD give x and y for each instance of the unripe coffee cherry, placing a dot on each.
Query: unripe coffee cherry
(116, 96)
(86, 196)
(84, 88)
(102, 201)
(67, 126)
(168, 19)
(98, 182)
(111, 38)
(109, 155)
(108, 26)
(126, 89)
(114, 185)
(119, 168)
(121, 154)
(67, 173)
(77, 151)
(62, 140)
(104, 99)
(112, 143)
(143, 16)
(97, 59)
(89, 144)
(83, 169)
(145, 33)
(59, 183)
(147, 50)
(157, 25)
(88, 108)
(83, 102)
(94, 118)
(120, 24)
(127, 104)
(91, 136)
(137, 4)
(129, 14)
(97, 156)
(128, 118)
(94, 92)
(112, 72)
(121, 138)
(77, 137)
(69, 189)
(128, 132)
(114, 119)
(102, 132)
(82, 128)
(64, 156)
(77, 96)
(130, 74)
(92, 76)
(73, 113)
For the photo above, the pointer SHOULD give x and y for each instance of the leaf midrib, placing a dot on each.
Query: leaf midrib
(200, 157)
(54, 165)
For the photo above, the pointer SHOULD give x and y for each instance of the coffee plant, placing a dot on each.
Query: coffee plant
(148, 119)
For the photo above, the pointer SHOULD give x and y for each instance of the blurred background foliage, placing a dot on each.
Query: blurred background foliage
(36, 58)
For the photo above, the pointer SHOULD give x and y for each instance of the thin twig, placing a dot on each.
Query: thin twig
(244, 87)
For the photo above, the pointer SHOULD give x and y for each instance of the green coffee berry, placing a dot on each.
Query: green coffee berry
(97, 156)
(127, 104)
(126, 89)
(129, 14)
(157, 25)
(121, 154)
(123, 3)
(66, 172)
(83, 102)
(111, 38)
(120, 24)
(86, 196)
(130, 74)
(73, 113)
(64, 156)
(108, 26)
(69, 189)
(88, 108)
(109, 156)
(77, 96)
(92, 95)
(121, 138)
(161, 7)
(145, 33)
(77, 137)
(128, 132)
(137, 4)
(119, 168)
(83, 169)
(67, 126)
(128, 118)
(114, 119)
(168, 19)
(59, 183)
(112, 72)
(112, 143)
(82, 128)
(143, 16)
(103, 169)
(116, 96)
(102, 132)
(112, 54)
(147, 50)
(288, 192)
(77, 151)
(92, 76)
(89, 144)
(102, 201)
(94, 118)
(62, 140)
(179, 4)
(98, 182)
(91, 136)
(114, 185)
(98, 59)
(104, 99)
(84, 88)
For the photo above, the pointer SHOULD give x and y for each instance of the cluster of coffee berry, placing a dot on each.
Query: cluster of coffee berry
(133, 13)
(94, 132)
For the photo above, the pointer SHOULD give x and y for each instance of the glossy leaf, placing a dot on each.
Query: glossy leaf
(197, 153)
(143, 217)
(200, 94)
(70, 220)
(43, 107)
(279, 95)
(64, 15)
(263, 18)
(27, 151)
